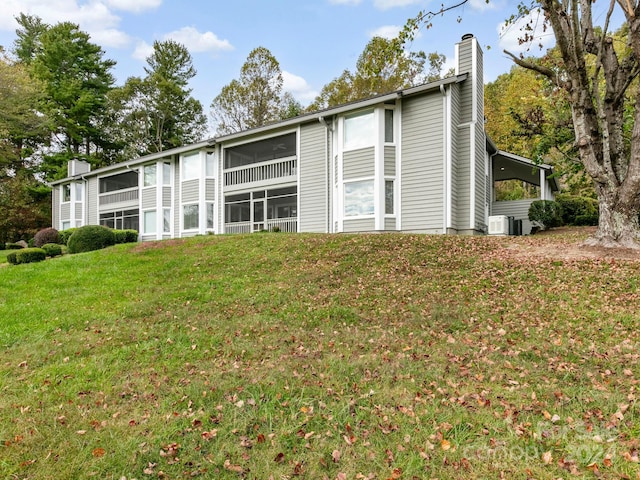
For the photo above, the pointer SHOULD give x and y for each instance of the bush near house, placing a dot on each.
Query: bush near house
(52, 249)
(13, 246)
(90, 237)
(66, 234)
(546, 213)
(126, 236)
(26, 255)
(578, 211)
(46, 235)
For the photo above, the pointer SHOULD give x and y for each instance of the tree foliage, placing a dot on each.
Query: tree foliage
(255, 99)
(381, 68)
(157, 112)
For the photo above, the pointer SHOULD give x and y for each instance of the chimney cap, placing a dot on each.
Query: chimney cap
(467, 36)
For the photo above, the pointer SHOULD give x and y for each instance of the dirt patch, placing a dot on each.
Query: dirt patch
(567, 243)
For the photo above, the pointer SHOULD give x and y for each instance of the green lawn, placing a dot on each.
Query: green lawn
(320, 356)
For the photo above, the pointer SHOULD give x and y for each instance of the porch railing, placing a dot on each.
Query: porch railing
(289, 225)
(258, 173)
(117, 197)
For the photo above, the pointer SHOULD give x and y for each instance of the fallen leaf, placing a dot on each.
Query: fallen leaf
(98, 452)
(232, 468)
(445, 444)
(547, 458)
(279, 458)
(335, 456)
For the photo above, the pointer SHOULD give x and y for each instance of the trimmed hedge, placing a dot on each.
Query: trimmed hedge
(46, 235)
(66, 234)
(90, 237)
(581, 211)
(52, 249)
(546, 213)
(126, 236)
(26, 255)
(13, 246)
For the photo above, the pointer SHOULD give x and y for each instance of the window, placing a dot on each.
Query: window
(78, 187)
(237, 208)
(388, 197)
(150, 221)
(66, 192)
(166, 173)
(210, 166)
(166, 220)
(149, 173)
(388, 126)
(190, 217)
(359, 131)
(66, 225)
(358, 198)
(121, 219)
(191, 167)
(210, 211)
(282, 203)
(121, 181)
(261, 151)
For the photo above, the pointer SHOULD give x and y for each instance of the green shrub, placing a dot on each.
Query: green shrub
(26, 255)
(65, 235)
(545, 213)
(13, 246)
(126, 236)
(578, 210)
(90, 237)
(52, 249)
(46, 235)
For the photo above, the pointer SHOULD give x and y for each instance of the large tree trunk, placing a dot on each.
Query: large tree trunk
(618, 226)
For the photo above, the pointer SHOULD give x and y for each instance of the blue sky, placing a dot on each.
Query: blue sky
(314, 40)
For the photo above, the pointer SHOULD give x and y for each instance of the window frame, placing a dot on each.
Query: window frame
(371, 201)
(363, 138)
(197, 216)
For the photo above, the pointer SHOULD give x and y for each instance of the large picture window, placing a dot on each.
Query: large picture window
(191, 217)
(191, 167)
(121, 219)
(121, 181)
(149, 174)
(150, 223)
(359, 130)
(358, 198)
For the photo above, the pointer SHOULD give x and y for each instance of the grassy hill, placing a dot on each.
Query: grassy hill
(315, 356)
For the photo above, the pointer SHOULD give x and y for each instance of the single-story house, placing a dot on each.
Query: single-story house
(414, 160)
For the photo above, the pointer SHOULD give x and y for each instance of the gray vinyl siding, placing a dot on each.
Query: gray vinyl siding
(210, 190)
(389, 223)
(79, 211)
(190, 191)
(166, 197)
(456, 190)
(359, 225)
(422, 164)
(358, 163)
(313, 187)
(55, 207)
(149, 198)
(92, 201)
(518, 209)
(389, 161)
(65, 211)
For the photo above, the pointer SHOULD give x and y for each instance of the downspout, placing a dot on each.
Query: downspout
(327, 172)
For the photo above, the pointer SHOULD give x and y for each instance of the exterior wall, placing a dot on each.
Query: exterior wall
(456, 185)
(359, 225)
(389, 161)
(359, 163)
(422, 146)
(313, 214)
(55, 207)
(518, 209)
(92, 201)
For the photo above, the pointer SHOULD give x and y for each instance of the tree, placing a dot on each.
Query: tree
(599, 79)
(157, 112)
(28, 44)
(76, 80)
(253, 100)
(22, 127)
(380, 68)
(25, 204)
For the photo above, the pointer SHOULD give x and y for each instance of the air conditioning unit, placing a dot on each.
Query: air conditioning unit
(499, 225)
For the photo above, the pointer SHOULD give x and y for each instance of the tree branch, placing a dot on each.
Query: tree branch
(547, 72)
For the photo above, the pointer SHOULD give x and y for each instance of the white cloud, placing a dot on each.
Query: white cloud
(511, 34)
(387, 4)
(386, 31)
(298, 86)
(135, 6)
(199, 42)
(93, 17)
(142, 51)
